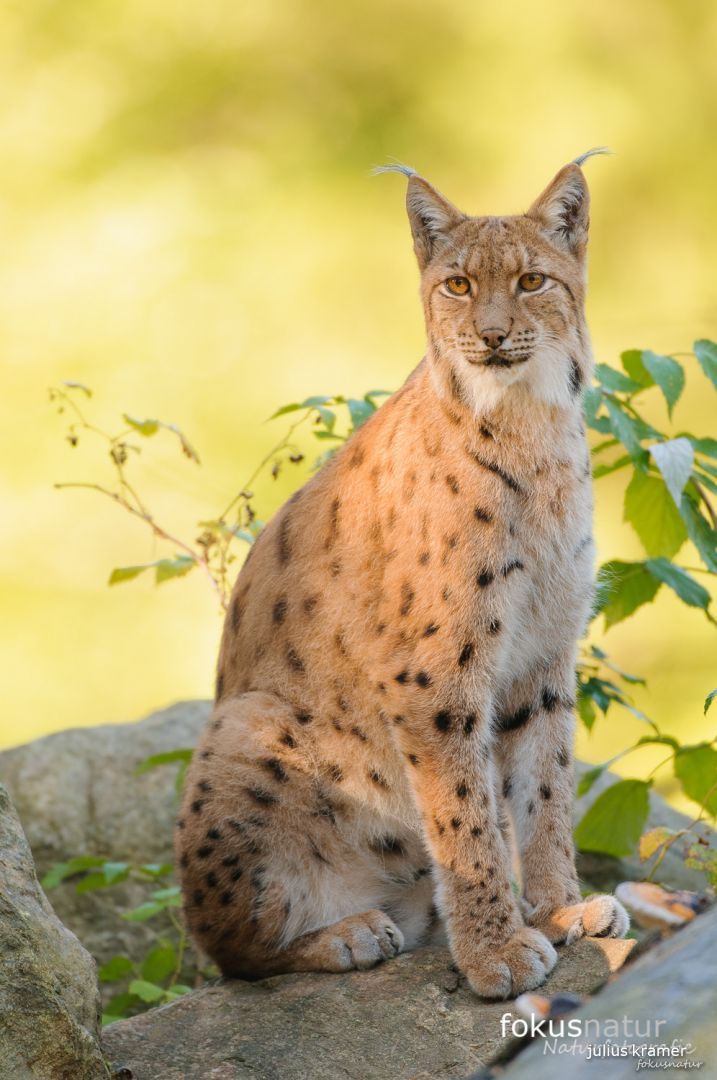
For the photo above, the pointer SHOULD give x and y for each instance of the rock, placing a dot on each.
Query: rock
(76, 794)
(49, 1005)
(674, 983)
(409, 1018)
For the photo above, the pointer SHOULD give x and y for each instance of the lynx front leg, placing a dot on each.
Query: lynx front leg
(453, 778)
(535, 731)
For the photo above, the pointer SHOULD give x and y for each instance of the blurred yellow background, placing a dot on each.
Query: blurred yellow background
(188, 225)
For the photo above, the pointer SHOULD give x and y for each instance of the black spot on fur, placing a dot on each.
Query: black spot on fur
(279, 611)
(576, 378)
(486, 432)
(456, 823)
(387, 845)
(236, 614)
(402, 677)
(466, 653)
(507, 787)
(274, 766)
(184, 862)
(265, 798)
(283, 540)
(469, 724)
(230, 860)
(213, 834)
(197, 805)
(423, 678)
(288, 740)
(495, 626)
(211, 879)
(563, 757)
(476, 830)
(413, 759)
(507, 479)
(310, 604)
(430, 630)
(515, 564)
(206, 754)
(545, 791)
(513, 721)
(483, 515)
(442, 720)
(550, 700)
(531, 807)
(226, 897)
(357, 731)
(356, 458)
(198, 897)
(485, 578)
(303, 717)
(335, 774)
(204, 786)
(408, 595)
(424, 558)
(377, 779)
(294, 661)
(180, 823)
(462, 791)
(453, 483)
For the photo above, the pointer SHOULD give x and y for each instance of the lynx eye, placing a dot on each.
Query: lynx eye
(531, 281)
(458, 286)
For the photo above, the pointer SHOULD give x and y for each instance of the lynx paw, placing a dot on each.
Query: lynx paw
(521, 964)
(362, 941)
(598, 916)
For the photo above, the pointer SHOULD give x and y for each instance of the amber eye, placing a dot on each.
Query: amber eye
(459, 286)
(530, 282)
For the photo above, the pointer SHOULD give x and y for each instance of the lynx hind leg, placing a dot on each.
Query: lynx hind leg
(271, 875)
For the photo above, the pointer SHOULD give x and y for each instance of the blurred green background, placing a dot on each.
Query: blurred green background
(188, 225)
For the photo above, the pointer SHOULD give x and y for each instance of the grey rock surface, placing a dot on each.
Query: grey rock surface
(675, 982)
(49, 1005)
(408, 1019)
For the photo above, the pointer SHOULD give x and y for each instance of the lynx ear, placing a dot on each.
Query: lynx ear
(431, 215)
(563, 210)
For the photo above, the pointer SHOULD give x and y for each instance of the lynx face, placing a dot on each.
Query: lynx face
(503, 296)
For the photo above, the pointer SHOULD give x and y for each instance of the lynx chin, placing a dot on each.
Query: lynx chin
(393, 723)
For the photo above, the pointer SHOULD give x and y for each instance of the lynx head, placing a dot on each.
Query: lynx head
(504, 296)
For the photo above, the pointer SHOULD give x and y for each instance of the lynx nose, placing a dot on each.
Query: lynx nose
(493, 337)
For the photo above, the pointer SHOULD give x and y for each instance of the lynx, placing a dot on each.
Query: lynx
(395, 687)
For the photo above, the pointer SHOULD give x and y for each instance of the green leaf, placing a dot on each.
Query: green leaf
(115, 871)
(709, 699)
(674, 459)
(159, 963)
(631, 360)
(156, 870)
(651, 511)
(143, 912)
(700, 532)
(313, 402)
(126, 573)
(625, 428)
(170, 897)
(144, 427)
(177, 991)
(588, 779)
(615, 380)
(682, 583)
(91, 883)
(624, 587)
(696, 769)
(328, 417)
(668, 375)
(614, 823)
(652, 841)
(119, 1007)
(147, 991)
(613, 466)
(294, 407)
(705, 446)
(586, 711)
(359, 411)
(116, 968)
(60, 871)
(706, 353)
(167, 757)
(172, 568)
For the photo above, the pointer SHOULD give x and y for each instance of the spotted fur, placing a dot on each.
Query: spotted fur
(396, 678)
